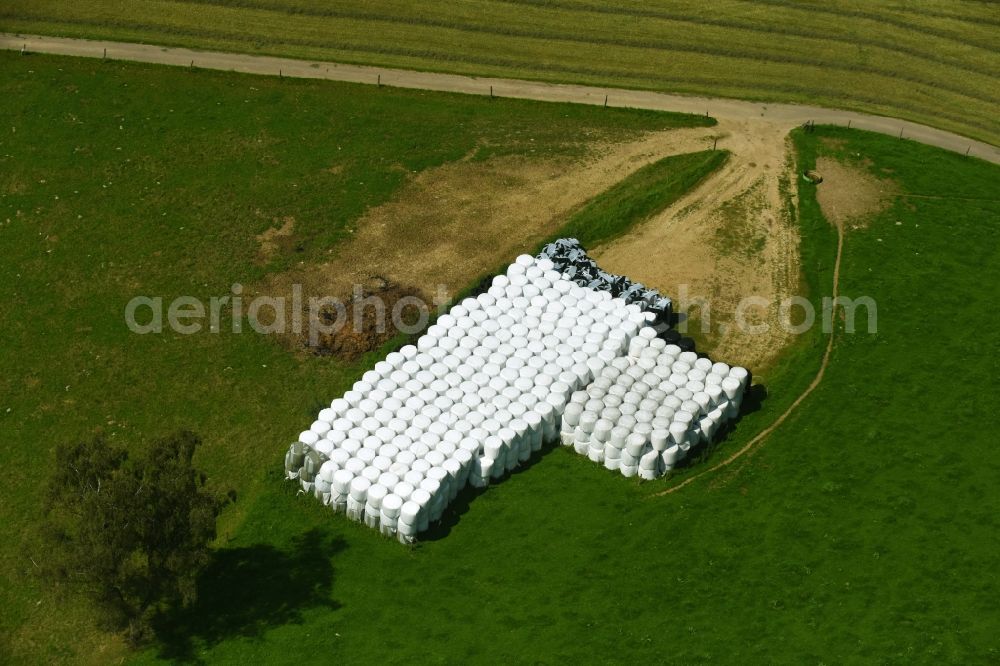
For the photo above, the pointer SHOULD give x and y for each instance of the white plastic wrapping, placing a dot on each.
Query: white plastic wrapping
(535, 360)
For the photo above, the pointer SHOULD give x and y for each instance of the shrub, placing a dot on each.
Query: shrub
(131, 534)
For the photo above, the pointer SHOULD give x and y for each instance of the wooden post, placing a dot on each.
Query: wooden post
(192, 64)
(605, 101)
(715, 142)
(848, 123)
(280, 75)
(24, 49)
(900, 132)
(968, 149)
(105, 54)
(379, 82)
(491, 92)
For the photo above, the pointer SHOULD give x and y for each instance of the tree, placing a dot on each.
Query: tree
(132, 534)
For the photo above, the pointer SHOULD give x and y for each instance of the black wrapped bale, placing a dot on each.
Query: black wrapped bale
(570, 259)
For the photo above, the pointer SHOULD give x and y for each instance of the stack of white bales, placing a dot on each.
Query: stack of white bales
(644, 411)
(478, 393)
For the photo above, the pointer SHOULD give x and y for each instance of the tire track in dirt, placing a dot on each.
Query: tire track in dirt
(450, 223)
(423, 236)
(730, 238)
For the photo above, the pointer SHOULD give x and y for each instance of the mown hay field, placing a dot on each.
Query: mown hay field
(933, 62)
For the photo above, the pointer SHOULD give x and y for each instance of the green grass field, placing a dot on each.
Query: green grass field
(865, 529)
(933, 61)
(643, 194)
(118, 180)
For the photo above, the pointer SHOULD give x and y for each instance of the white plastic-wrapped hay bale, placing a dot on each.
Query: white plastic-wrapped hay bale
(357, 497)
(339, 489)
(659, 401)
(373, 504)
(408, 522)
(324, 481)
(483, 389)
(650, 465)
(389, 516)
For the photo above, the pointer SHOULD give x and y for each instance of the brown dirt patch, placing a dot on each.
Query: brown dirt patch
(749, 447)
(832, 143)
(275, 239)
(850, 195)
(732, 237)
(364, 328)
(451, 224)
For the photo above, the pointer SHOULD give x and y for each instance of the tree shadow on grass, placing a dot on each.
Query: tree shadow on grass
(246, 591)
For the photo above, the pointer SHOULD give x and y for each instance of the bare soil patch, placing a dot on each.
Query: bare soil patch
(750, 446)
(833, 143)
(364, 326)
(275, 239)
(451, 224)
(850, 195)
(732, 237)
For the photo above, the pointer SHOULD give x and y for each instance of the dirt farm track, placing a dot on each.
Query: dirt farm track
(788, 115)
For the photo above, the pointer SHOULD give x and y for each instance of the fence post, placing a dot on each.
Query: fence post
(848, 123)
(379, 81)
(491, 92)
(968, 149)
(605, 101)
(105, 54)
(900, 132)
(24, 49)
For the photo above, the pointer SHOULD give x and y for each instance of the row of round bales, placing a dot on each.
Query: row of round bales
(644, 412)
(477, 394)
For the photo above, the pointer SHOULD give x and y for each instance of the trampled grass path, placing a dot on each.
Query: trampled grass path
(729, 109)
(766, 432)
